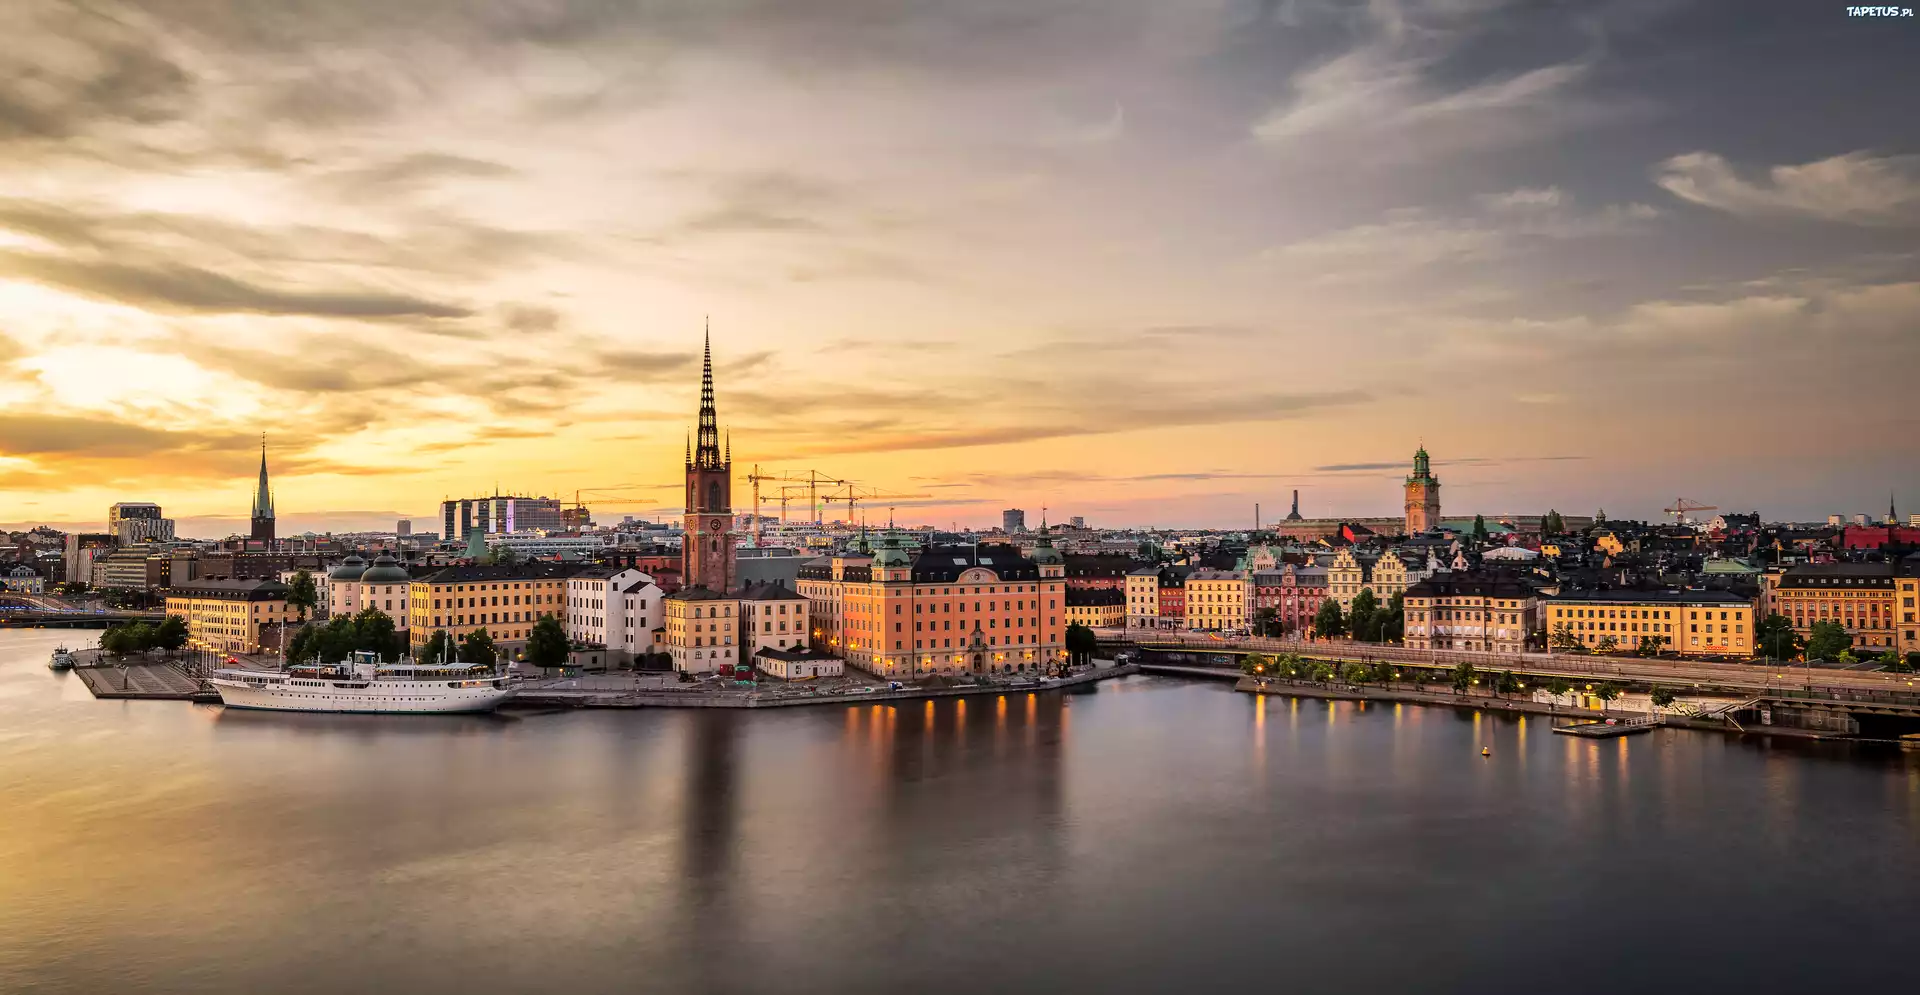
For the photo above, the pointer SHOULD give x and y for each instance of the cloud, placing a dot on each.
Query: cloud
(1857, 188)
(1406, 85)
(182, 287)
(408, 174)
(70, 69)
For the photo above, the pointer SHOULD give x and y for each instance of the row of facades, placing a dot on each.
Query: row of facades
(1500, 612)
(893, 611)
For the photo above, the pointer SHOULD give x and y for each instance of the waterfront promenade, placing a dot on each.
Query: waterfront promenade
(1759, 677)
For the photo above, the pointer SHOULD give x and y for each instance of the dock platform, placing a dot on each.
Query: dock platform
(1609, 730)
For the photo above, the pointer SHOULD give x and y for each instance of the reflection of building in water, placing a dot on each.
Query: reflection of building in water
(980, 774)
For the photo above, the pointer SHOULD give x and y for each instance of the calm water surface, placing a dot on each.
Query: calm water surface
(1153, 835)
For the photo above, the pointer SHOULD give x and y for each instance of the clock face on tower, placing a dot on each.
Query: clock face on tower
(713, 525)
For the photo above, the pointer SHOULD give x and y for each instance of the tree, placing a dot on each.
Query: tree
(1266, 622)
(1506, 683)
(439, 648)
(1327, 622)
(303, 593)
(1908, 665)
(1775, 639)
(478, 648)
(1479, 530)
(1606, 693)
(1559, 688)
(171, 634)
(116, 641)
(1607, 644)
(1364, 620)
(1564, 639)
(1662, 697)
(1384, 672)
(1827, 640)
(502, 556)
(1651, 645)
(1462, 677)
(1394, 629)
(1553, 524)
(1356, 672)
(1081, 643)
(547, 643)
(373, 632)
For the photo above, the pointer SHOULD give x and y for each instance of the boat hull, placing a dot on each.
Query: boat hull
(373, 700)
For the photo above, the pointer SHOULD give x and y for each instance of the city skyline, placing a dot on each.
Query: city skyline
(1146, 265)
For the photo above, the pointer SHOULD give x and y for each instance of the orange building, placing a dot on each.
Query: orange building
(941, 609)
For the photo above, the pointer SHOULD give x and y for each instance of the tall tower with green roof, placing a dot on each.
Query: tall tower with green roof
(1423, 496)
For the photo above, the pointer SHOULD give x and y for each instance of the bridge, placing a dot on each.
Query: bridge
(1758, 678)
(1843, 702)
(72, 618)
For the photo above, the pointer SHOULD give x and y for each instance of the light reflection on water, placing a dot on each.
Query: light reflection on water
(1127, 839)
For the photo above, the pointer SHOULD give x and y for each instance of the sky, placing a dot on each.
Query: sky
(1147, 262)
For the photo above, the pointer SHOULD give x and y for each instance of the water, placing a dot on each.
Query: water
(1154, 835)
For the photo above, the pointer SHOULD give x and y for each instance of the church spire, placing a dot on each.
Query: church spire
(707, 453)
(262, 523)
(263, 497)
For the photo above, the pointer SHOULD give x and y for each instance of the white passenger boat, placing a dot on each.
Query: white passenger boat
(62, 659)
(364, 684)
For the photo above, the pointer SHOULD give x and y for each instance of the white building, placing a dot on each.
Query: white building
(614, 608)
(791, 665)
(539, 544)
(23, 579)
(355, 585)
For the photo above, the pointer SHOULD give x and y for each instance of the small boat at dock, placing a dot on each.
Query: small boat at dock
(62, 659)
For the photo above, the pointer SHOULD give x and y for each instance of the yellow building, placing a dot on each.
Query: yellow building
(1216, 600)
(1906, 590)
(228, 616)
(1488, 614)
(702, 630)
(1097, 608)
(505, 601)
(1346, 575)
(1687, 623)
(1391, 575)
(1143, 598)
(1858, 596)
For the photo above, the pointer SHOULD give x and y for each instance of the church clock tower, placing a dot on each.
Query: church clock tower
(707, 547)
(1423, 496)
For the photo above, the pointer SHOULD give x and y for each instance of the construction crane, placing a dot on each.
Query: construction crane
(854, 494)
(1682, 507)
(812, 478)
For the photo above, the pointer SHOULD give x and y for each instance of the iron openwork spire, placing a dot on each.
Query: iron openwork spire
(707, 454)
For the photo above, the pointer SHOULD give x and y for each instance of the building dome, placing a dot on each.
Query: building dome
(385, 570)
(1043, 551)
(891, 554)
(349, 569)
